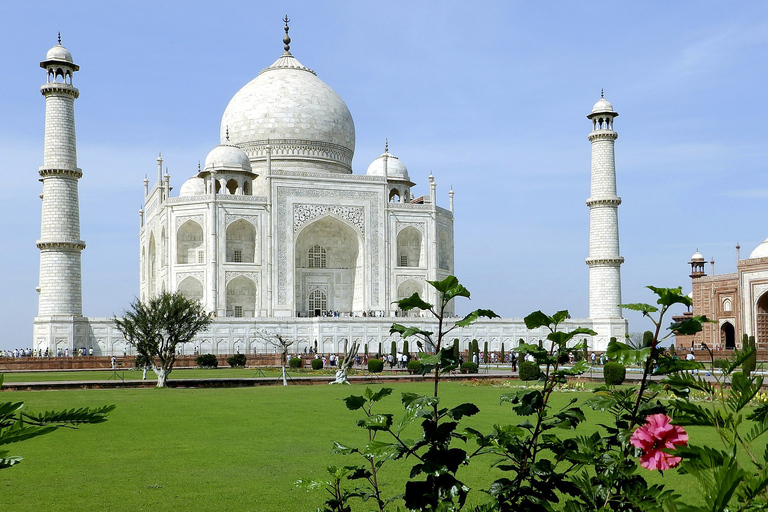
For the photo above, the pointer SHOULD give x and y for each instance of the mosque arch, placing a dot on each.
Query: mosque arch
(394, 196)
(152, 264)
(191, 288)
(728, 336)
(241, 298)
(409, 247)
(328, 255)
(761, 331)
(189, 242)
(317, 302)
(164, 248)
(232, 186)
(241, 242)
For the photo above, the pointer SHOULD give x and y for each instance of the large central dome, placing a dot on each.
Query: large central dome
(287, 106)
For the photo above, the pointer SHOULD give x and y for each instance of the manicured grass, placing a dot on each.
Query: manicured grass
(234, 449)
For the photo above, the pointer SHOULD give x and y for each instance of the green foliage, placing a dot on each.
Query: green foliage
(415, 366)
(614, 373)
(237, 360)
(317, 364)
(647, 339)
(720, 363)
(142, 361)
(18, 425)
(501, 354)
(295, 362)
(456, 353)
(207, 361)
(469, 367)
(375, 365)
(485, 352)
(405, 347)
(529, 370)
(393, 349)
(158, 326)
(750, 363)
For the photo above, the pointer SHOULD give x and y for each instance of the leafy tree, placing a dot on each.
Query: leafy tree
(17, 425)
(158, 326)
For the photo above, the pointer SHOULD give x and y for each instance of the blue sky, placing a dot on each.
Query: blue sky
(490, 97)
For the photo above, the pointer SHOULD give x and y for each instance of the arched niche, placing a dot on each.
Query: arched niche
(241, 242)
(164, 248)
(191, 288)
(232, 186)
(189, 243)
(406, 289)
(728, 336)
(241, 298)
(444, 251)
(761, 334)
(152, 265)
(409, 247)
(342, 274)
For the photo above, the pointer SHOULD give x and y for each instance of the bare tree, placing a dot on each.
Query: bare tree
(279, 342)
(346, 363)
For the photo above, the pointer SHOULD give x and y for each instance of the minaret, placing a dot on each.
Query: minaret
(60, 244)
(604, 260)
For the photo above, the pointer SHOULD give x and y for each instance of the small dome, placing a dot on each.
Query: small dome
(395, 169)
(761, 251)
(193, 187)
(227, 158)
(697, 256)
(59, 53)
(602, 106)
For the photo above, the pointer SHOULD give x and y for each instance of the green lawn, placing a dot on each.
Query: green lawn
(219, 449)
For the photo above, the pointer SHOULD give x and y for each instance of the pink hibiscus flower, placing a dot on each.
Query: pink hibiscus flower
(658, 433)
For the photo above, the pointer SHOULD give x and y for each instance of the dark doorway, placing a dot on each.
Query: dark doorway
(728, 336)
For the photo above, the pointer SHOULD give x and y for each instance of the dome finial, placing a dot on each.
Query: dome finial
(59, 38)
(602, 95)
(227, 133)
(287, 38)
(386, 145)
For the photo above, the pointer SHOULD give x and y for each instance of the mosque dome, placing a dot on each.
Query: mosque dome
(390, 166)
(290, 109)
(227, 157)
(193, 187)
(59, 53)
(761, 251)
(697, 256)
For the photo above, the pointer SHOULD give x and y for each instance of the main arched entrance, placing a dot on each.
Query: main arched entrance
(328, 261)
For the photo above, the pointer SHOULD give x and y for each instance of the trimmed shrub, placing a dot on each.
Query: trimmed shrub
(469, 367)
(317, 364)
(295, 362)
(375, 365)
(237, 361)
(614, 373)
(207, 361)
(529, 370)
(750, 363)
(415, 366)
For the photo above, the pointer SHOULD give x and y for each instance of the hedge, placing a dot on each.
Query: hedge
(295, 362)
(415, 366)
(375, 365)
(529, 370)
(237, 361)
(317, 364)
(614, 373)
(469, 367)
(207, 361)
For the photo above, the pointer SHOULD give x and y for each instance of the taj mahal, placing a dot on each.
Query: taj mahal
(276, 232)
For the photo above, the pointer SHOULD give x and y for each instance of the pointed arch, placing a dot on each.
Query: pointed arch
(189, 242)
(241, 242)
(241, 297)
(761, 334)
(191, 288)
(409, 247)
(728, 336)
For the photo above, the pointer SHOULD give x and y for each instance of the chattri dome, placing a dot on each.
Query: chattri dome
(602, 106)
(306, 124)
(192, 187)
(388, 165)
(697, 256)
(59, 53)
(227, 157)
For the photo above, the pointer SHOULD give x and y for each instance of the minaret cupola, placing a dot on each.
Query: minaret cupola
(697, 265)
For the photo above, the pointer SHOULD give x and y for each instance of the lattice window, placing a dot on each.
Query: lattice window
(201, 257)
(237, 257)
(238, 311)
(403, 260)
(317, 300)
(317, 257)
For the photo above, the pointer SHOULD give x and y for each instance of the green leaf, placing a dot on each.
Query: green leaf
(413, 302)
(450, 288)
(538, 319)
(462, 410)
(414, 400)
(340, 449)
(474, 315)
(354, 402)
(626, 355)
(376, 422)
(669, 296)
(383, 392)
(667, 364)
(644, 308)
(689, 326)
(405, 332)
